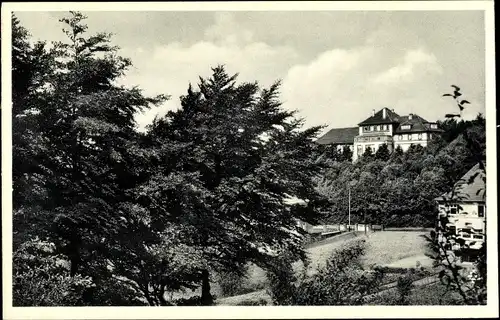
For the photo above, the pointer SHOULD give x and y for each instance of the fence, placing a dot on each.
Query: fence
(417, 229)
(328, 228)
(339, 237)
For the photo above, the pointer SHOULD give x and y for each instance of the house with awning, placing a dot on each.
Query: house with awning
(465, 209)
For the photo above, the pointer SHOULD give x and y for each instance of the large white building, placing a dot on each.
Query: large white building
(383, 127)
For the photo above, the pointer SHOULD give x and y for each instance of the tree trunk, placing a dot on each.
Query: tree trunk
(74, 256)
(206, 297)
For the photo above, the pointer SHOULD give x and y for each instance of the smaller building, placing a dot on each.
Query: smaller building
(465, 209)
(340, 138)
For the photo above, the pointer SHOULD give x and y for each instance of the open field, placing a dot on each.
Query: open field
(393, 247)
(388, 248)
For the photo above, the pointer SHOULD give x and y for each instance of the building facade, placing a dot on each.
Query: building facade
(465, 209)
(383, 127)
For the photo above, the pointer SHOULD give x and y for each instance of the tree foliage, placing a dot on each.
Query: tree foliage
(233, 157)
(73, 182)
(470, 285)
(143, 215)
(399, 189)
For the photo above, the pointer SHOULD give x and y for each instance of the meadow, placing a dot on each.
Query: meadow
(395, 249)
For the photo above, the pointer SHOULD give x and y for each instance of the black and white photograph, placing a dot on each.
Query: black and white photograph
(249, 154)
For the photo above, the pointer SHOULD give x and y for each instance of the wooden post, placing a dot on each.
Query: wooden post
(349, 191)
(365, 221)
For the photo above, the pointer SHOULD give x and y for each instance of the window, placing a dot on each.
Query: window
(480, 210)
(430, 135)
(406, 127)
(453, 209)
(384, 127)
(409, 137)
(405, 137)
(434, 125)
(378, 128)
(419, 136)
(372, 128)
(366, 128)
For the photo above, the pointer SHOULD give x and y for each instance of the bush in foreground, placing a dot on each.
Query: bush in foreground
(342, 281)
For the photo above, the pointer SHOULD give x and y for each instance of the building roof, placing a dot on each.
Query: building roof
(417, 124)
(471, 187)
(378, 118)
(339, 136)
(347, 135)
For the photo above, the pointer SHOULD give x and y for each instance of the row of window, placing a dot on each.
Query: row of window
(360, 149)
(465, 231)
(455, 209)
(383, 127)
(408, 126)
(410, 136)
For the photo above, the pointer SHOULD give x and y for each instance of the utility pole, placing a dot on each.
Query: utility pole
(365, 220)
(349, 192)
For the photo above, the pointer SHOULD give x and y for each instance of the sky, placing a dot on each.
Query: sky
(335, 66)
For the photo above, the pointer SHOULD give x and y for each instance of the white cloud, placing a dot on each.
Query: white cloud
(341, 86)
(414, 61)
(226, 30)
(170, 68)
(332, 76)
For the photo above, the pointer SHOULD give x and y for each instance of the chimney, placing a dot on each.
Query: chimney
(384, 113)
(410, 116)
(373, 112)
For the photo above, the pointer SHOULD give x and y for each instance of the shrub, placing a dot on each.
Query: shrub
(342, 281)
(260, 302)
(113, 292)
(42, 278)
(192, 301)
(232, 283)
(282, 280)
(404, 287)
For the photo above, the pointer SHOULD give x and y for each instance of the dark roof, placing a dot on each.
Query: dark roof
(378, 118)
(417, 124)
(471, 187)
(339, 136)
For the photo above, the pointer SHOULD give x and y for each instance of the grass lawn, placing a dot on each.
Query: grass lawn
(391, 247)
(385, 248)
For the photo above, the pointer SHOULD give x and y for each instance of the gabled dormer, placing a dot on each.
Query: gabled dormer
(380, 122)
(415, 123)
